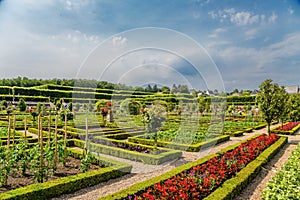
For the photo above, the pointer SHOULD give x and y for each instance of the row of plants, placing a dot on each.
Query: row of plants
(199, 179)
(179, 146)
(20, 161)
(285, 183)
(110, 169)
(288, 128)
(127, 150)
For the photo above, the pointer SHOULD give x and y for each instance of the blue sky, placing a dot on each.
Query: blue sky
(246, 41)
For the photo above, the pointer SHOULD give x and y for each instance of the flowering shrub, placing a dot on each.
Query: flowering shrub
(287, 127)
(199, 181)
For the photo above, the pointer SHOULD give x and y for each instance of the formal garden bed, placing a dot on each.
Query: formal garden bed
(288, 128)
(26, 181)
(202, 178)
(152, 156)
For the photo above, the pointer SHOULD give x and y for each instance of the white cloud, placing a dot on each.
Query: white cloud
(217, 32)
(273, 18)
(241, 18)
(264, 57)
(251, 33)
(119, 40)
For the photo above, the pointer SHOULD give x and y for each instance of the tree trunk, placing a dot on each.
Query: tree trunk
(269, 130)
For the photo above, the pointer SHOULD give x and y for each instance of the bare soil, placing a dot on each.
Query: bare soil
(72, 168)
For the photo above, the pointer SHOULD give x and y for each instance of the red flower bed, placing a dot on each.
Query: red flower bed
(287, 127)
(199, 181)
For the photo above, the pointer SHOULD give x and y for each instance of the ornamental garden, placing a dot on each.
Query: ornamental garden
(57, 138)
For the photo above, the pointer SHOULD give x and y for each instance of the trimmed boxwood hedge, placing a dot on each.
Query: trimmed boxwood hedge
(69, 184)
(290, 132)
(229, 188)
(152, 159)
(184, 147)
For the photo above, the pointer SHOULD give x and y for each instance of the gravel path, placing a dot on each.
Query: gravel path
(142, 172)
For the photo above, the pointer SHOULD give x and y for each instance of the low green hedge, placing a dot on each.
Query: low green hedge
(152, 159)
(69, 184)
(260, 126)
(232, 187)
(183, 147)
(237, 133)
(290, 132)
(123, 136)
(45, 133)
(238, 182)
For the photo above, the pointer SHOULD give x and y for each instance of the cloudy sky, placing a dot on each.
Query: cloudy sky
(201, 43)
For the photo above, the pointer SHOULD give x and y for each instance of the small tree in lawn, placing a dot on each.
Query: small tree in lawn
(268, 101)
(154, 118)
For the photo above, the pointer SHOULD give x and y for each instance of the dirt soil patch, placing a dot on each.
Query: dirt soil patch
(72, 168)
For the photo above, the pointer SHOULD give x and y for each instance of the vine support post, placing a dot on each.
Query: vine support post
(55, 144)
(14, 131)
(25, 131)
(65, 141)
(86, 136)
(8, 150)
(49, 129)
(41, 169)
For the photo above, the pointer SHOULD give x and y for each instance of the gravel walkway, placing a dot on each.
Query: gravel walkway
(142, 172)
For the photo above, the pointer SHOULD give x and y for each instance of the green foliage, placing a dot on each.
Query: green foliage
(3, 104)
(100, 104)
(22, 105)
(202, 105)
(268, 98)
(294, 107)
(39, 108)
(70, 184)
(86, 162)
(285, 183)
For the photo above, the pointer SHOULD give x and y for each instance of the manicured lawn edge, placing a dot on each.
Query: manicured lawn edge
(152, 159)
(242, 179)
(235, 185)
(183, 147)
(71, 183)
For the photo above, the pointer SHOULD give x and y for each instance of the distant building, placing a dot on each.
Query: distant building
(294, 89)
(254, 92)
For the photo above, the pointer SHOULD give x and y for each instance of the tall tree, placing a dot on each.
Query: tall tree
(268, 101)
(283, 97)
(294, 107)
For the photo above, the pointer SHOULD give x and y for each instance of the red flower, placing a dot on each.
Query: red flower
(201, 180)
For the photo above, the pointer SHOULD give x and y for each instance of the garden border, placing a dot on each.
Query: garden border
(232, 185)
